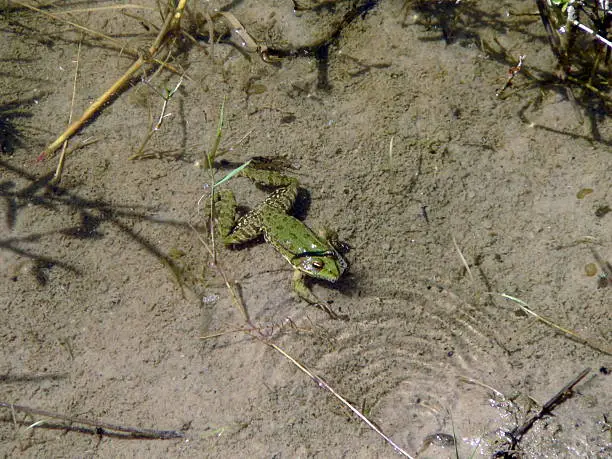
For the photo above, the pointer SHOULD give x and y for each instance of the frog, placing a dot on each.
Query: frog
(311, 255)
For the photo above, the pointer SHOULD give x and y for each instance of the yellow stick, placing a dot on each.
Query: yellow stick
(172, 22)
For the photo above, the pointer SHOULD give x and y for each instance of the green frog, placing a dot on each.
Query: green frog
(311, 255)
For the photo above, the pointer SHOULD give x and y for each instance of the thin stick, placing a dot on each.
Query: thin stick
(246, 41)
(321, 382)
(525, 307)
(463, 260)
(57, 178)
(209, 160)
(584, 28)
(230, 287)
(135, 431)
(481, 384)
(209, 163)
(171, 23)
(512, 72)
(105, 8)
(391, 152)
(162, 116)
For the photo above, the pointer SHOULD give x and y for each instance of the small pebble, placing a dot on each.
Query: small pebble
(590, 269)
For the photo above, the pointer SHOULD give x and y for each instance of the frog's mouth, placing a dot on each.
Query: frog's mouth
(317, 253)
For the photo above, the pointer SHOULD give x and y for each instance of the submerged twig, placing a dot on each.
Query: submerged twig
(86, 30)
(235, 296)
(160, 119)
(100, 428)
(512, 72)
(517, 434)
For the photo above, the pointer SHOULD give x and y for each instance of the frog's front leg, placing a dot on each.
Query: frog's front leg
(302, 290)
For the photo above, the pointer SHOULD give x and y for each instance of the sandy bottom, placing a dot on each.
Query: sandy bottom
(401, 146)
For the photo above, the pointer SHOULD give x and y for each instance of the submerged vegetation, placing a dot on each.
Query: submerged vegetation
(577, 32)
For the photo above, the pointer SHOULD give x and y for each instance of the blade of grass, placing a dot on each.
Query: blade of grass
(525, 307)
(463, 260)
(232, 173)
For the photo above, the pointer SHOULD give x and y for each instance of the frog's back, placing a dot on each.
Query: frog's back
(289, 235)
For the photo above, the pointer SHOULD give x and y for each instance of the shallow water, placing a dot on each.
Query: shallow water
(401, 146)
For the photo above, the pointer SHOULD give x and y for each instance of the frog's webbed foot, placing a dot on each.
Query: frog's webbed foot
(302, 290)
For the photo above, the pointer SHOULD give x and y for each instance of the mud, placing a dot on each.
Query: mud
(401, 146)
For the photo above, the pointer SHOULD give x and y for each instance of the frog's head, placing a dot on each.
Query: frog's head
(327, 265)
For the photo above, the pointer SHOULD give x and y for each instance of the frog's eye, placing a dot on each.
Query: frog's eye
(318, 265)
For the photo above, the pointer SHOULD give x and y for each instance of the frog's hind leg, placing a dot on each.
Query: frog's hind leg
(233, 232)
(224, 205)
(281, 199)
(247, 228)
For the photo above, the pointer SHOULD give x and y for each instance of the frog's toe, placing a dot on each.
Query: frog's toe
(302, 290)
(330, 312)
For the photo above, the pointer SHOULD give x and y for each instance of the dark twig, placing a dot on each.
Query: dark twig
(517, 434)
(512, 71)
(100, 428)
